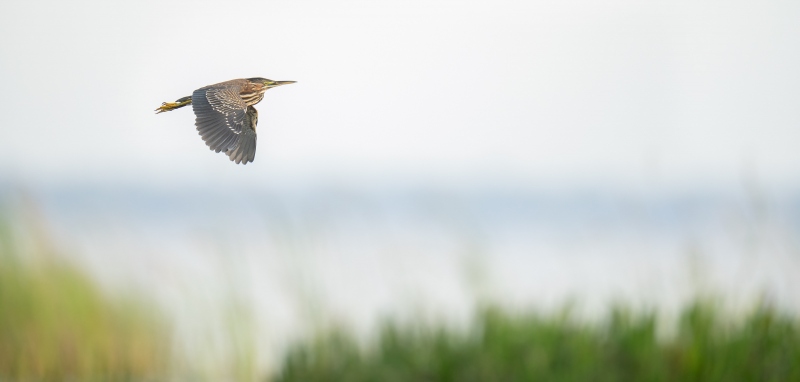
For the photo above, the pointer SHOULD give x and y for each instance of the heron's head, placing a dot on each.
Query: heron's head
(269, 83)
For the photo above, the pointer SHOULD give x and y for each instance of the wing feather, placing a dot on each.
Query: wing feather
(220, 115)
(245, 150)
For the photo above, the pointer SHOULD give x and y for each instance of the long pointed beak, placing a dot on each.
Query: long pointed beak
(279, 83)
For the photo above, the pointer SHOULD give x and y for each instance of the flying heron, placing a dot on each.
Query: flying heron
(226, 118)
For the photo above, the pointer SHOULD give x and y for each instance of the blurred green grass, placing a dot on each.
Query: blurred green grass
(707, 345)
(56, 324)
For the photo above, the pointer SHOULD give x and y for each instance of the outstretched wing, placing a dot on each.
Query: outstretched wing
(245, 149)
(224, 121)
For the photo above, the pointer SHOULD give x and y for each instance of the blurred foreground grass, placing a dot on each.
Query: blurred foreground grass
(706, 346)
(56, 324)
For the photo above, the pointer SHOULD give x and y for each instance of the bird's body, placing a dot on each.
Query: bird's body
(225, 116)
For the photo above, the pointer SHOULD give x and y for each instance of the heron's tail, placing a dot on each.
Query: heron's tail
(179, 103)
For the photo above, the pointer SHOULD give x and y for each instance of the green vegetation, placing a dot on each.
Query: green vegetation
(56, 325)
(762, 346)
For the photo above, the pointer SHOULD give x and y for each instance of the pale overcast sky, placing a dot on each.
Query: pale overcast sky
(533, 91)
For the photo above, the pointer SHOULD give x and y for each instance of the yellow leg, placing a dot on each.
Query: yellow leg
(168, 106)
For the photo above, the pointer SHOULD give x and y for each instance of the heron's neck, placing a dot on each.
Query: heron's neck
(254, 98)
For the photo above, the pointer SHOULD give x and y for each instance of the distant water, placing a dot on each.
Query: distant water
(310, 256)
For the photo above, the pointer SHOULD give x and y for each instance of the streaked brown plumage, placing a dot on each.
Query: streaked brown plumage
(225, 116)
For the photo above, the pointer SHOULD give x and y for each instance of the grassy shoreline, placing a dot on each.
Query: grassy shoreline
(57, 324)
(762, 345)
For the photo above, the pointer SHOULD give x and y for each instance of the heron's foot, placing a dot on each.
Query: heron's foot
(168, 106)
